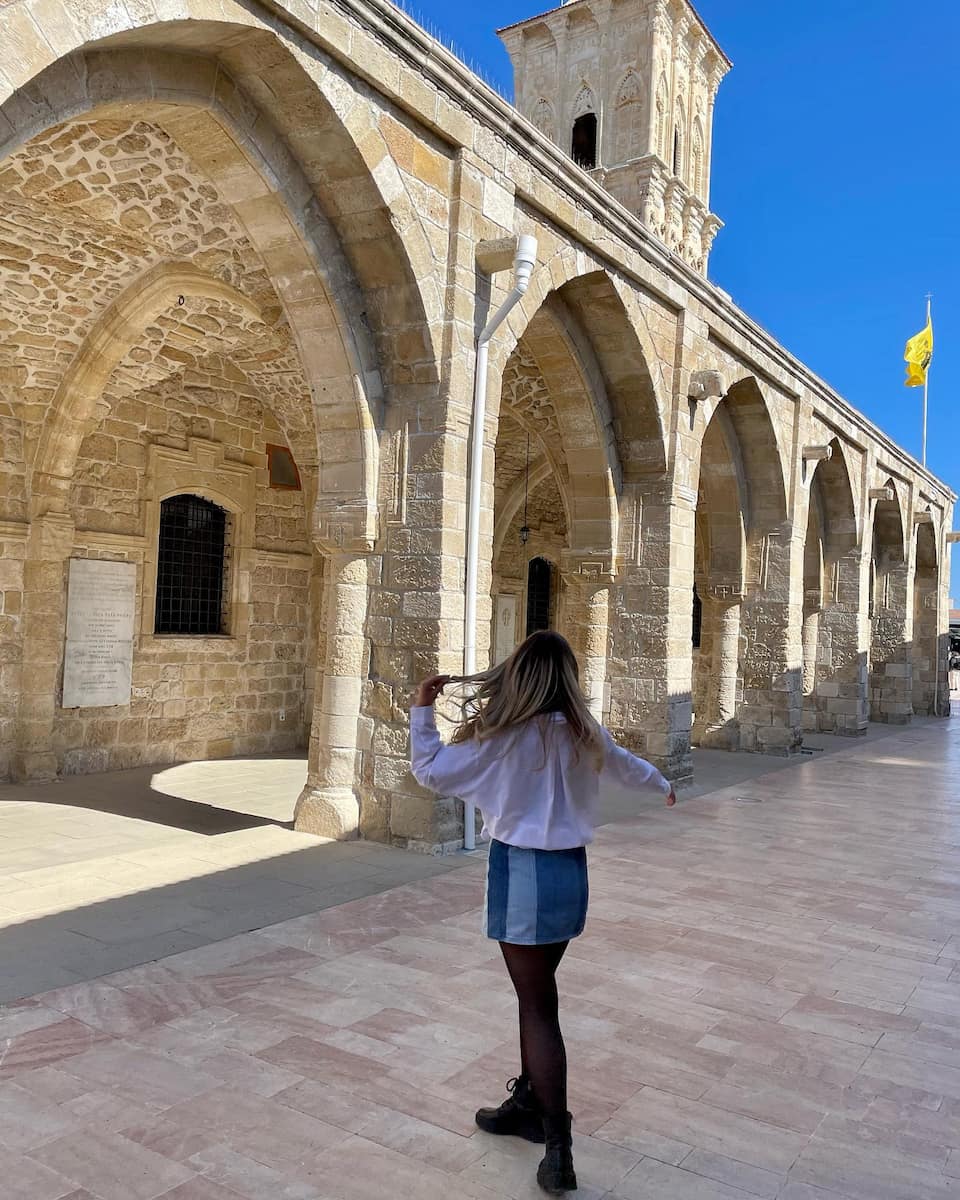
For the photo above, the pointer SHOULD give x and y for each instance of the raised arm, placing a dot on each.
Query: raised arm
(444, 769)
(634, 772)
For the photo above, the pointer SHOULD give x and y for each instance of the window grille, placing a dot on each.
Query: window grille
(539, 575)
(191, 567)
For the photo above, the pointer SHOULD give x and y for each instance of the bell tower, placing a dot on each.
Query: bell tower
(627, 89)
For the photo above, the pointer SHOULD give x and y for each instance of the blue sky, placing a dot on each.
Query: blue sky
(836, 170)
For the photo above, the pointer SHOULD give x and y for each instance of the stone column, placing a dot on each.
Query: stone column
(891, 670)
(587, 621)
(810, 638)
(329, 805)
(770, 715)
(721, 730)
(840, 700)
(651, 619)
(49, 545)
(926, 649)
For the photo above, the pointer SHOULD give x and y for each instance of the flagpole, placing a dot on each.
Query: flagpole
(926, 385)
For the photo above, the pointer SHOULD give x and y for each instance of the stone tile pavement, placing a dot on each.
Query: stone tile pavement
(765, 1005)
(102, 872)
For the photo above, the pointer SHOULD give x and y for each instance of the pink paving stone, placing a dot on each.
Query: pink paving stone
(726, 1039)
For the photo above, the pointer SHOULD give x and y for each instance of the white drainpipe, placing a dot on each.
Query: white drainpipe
(523, 264)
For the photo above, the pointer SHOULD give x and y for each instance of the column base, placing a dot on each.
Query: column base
(719, 737)
(329, 813)
(34, 767)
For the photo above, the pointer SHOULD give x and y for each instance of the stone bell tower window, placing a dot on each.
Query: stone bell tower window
(191, 567)
(584, 142)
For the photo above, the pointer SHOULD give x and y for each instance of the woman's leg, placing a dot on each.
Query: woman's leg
(543, 1055)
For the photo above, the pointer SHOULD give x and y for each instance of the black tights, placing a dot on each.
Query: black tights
(543, 1056)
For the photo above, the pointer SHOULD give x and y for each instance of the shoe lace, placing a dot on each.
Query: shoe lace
(512, 1085)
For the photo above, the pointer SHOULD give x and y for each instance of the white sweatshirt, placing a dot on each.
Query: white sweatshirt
(528, 782)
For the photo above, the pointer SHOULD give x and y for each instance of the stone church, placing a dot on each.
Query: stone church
(246, 249)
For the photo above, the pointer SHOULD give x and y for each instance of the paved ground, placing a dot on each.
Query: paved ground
(109, 871)
(765, 1004)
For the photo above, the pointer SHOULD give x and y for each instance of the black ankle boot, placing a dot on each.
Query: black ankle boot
(518, 1115)
(556, 1174)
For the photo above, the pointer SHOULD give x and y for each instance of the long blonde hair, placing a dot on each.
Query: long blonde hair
(541, 676)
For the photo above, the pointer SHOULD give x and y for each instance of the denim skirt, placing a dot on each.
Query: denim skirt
(536, 897)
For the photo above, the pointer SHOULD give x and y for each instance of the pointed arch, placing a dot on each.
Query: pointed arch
(584, 102)
(629, 119)
(698, 162)
(679, 148)
(663, 124)
(544, 119)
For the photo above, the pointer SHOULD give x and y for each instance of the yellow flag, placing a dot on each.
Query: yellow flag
(917, 355)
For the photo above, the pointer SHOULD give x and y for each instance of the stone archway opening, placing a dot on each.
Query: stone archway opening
(719, 565)
(745, 696)
(834, 667)
(928, 652)
(890, 673)
(554, 497)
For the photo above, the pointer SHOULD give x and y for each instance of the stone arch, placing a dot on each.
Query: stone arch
(629, 118)
(229, 136)
(634, 377)
(663, 126)
(834, 668)
(75, 406)
(928, 649)
(543, 118)
(890, 612)
(742, 667)
(697, 159)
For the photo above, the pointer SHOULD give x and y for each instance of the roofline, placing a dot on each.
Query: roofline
(557, 8)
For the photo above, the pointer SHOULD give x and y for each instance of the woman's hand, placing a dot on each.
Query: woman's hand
(672, 798)
(426, 694)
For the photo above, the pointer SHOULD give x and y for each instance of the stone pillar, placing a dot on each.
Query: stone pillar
(891, 670)
(329, 805)
(651, 619)
(721, 729)
(49, 545)
(587, 625)
(840, 699)
(810, 637)
(927, 651)
(770, 714)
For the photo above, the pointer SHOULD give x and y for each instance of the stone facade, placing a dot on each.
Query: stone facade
(223, 231)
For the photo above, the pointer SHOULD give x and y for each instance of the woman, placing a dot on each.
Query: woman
(530, 756)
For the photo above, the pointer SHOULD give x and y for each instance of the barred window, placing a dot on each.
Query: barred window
(191, 567)
(538, 595)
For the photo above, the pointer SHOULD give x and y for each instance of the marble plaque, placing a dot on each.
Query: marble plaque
(101, 605)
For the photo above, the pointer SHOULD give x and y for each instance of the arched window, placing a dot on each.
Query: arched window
(584, 142)
(697, 619)
(629, 118)
(191, 567)
(678, 143)
(697, 172)
(662, 101)
(543, 119)
(539, 579)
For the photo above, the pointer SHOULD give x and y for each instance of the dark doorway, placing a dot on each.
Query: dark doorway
(539, 575)
(584, 144)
